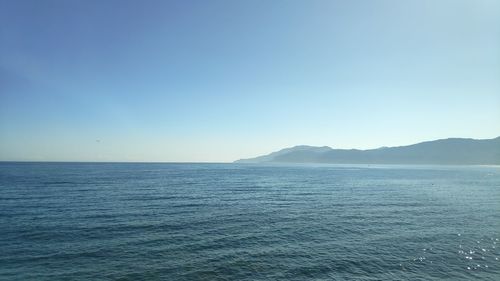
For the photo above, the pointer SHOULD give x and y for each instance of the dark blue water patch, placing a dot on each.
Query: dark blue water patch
(89, 221)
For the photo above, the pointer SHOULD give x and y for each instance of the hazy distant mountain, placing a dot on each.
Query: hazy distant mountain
(447, 151)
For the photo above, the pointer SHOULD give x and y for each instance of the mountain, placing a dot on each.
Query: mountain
(453, 151)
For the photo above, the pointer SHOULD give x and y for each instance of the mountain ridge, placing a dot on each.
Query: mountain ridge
(452, 151)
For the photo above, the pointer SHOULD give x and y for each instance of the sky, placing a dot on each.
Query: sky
(215, 81)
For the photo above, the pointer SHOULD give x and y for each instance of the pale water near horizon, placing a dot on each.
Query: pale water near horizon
(91, 221)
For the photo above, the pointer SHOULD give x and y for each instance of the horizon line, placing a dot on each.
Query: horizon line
(232, 161)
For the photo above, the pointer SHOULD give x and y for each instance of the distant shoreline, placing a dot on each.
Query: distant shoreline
(451, 151)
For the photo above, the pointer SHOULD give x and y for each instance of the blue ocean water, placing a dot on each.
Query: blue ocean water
(84, 221)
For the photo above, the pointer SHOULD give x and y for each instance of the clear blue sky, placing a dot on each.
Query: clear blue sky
(221, 80)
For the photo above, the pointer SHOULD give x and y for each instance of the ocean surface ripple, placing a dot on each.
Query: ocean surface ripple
(131, 221)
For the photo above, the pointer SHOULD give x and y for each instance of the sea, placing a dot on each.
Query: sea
(168, 221)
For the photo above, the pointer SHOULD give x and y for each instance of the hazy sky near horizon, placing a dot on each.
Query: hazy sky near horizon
(222, 80)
